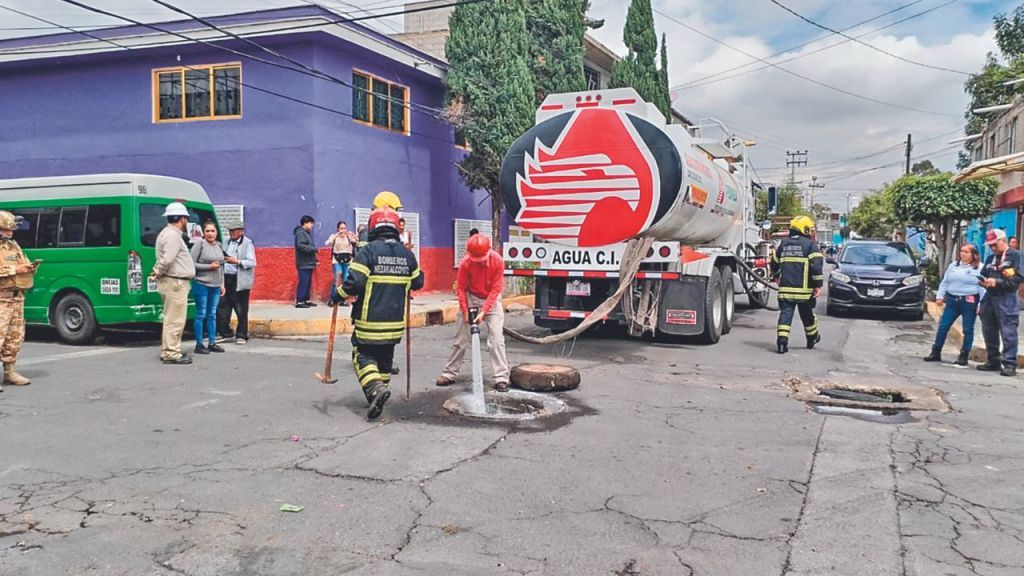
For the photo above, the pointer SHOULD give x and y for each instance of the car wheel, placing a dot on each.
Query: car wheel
(74, 319)
(917, 316)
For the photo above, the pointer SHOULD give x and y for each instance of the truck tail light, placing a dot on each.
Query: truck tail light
(527, 252)
(134, 271)
(760, 262)
(513, 252)
(664, 251)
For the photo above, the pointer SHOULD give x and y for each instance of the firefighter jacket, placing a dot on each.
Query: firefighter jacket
(381, 275)
(1006, 269)
(798, 265)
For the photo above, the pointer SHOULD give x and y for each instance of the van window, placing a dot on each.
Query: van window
(49, 225)
(72, 226)
(152, 221)
(25, 234)
(103, 225)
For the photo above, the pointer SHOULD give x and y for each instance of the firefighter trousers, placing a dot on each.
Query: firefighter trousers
(786, 310)
(372, 364)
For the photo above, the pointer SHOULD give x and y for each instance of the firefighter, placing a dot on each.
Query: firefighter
(16, 275)
(797, 266)
(380, 278)
(388, 199)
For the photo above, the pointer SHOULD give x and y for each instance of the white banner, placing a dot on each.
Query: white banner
(462, 228)
(228, 213)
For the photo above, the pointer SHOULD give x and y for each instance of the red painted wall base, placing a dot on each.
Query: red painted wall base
(276, 278)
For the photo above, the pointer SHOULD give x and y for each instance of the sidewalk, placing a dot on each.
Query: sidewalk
(277, 319)
(956, 335)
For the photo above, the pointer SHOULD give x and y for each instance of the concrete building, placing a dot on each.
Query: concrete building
(251, 129)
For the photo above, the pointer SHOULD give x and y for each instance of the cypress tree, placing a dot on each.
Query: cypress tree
(665, 101)
(557, 29)
(490, 89)
(639, 69)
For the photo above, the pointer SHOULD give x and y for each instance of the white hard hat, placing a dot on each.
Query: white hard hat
(175, 209)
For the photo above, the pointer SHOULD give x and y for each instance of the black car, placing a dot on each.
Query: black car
(876, 275)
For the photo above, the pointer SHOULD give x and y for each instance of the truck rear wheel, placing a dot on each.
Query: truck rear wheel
(714, 309)
(74, 319)
(728, 299)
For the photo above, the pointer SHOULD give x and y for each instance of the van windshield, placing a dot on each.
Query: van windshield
(152, 221)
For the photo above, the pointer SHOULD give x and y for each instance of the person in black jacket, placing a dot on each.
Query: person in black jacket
(379, 280)
(305, 260)
(798, 265)
(999, 307)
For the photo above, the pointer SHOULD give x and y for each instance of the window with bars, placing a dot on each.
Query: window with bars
(197, 93)
(380, 103)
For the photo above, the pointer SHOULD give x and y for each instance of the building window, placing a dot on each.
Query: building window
(197, 93)
(380, 103)
(992, 146)
(593, 78)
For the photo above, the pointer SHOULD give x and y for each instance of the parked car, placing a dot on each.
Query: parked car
(876, 275)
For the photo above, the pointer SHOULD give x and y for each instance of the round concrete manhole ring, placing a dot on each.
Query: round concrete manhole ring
(511, 406)
(868, 396)
(545, 377)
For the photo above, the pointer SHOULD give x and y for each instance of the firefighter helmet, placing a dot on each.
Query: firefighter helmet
(478, 246)
(802, 224)
(382, 218)
(8, 221)
(388, 199)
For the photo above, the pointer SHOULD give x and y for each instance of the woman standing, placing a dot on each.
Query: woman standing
(960, 293)
(207, 287)
(342, 245)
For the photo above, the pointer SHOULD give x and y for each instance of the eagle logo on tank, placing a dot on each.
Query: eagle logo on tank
(591, 177)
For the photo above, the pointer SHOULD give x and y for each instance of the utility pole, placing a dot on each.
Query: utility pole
(909, 148)
(814, 184)
(794, 159)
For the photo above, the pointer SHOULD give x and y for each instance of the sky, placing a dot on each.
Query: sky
(849, 106)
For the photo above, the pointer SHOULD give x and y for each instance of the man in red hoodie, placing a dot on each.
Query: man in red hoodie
(481, 279)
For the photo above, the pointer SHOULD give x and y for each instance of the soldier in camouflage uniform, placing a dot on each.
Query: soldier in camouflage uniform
(16, 274)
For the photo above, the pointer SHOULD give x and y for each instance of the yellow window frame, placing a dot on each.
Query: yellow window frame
(210, 68)
(370, 80)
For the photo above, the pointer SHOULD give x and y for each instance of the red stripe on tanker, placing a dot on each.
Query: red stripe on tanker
(601, 175)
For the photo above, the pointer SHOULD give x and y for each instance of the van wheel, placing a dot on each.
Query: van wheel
(714, 309)
(75, 320)
(728, 299)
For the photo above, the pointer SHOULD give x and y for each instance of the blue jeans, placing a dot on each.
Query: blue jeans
(340, 269)
(957, 306)
(207, 299)
(1000, 316)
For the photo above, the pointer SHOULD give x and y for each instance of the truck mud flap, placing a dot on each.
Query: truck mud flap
(681, 311)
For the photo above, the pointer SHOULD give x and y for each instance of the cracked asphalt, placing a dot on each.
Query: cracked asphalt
(675, 459)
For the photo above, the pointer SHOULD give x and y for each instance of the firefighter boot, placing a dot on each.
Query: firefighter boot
(782, 345)
(811, 341)
(962, 359)
(13, 378)
(378, 396)
(990, 366)
(934, 356)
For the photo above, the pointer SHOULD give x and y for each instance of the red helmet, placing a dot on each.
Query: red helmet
(478, 246)
(383, 217)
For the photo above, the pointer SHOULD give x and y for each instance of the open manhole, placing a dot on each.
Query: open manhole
(514, 405)
(435, 317)
(882, 403)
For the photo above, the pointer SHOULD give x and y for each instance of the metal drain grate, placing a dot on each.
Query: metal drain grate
(884, 397)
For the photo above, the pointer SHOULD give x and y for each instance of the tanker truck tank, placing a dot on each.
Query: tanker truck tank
(600, 168)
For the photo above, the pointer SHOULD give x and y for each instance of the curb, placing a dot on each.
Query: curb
(271, 328)
(956, 334)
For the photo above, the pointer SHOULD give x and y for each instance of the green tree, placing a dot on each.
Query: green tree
(875, 216)
(924, 168)
(639, 68)
(665, 95)
(490, 89)
(986, 88)
(557, 29)
(938, 205)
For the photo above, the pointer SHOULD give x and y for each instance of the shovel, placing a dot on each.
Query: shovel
(326, 376)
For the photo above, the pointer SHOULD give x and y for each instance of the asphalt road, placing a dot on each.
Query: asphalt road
(674, 459)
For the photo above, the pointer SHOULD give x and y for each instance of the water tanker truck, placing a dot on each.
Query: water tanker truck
(603, 167)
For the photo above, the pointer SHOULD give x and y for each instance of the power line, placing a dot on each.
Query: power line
(873, 47)
(891, 164)
(711, 79)
(792, 73)
(797, 47)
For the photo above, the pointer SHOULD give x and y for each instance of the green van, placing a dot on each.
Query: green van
(96, 235)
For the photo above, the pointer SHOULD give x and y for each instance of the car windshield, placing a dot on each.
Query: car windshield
(876, 255)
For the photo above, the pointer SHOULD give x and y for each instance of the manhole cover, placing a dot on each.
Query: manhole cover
(514, 405)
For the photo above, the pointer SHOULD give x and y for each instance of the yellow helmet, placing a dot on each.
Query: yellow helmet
(802, 224)
(8, 221)
(388, 199)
